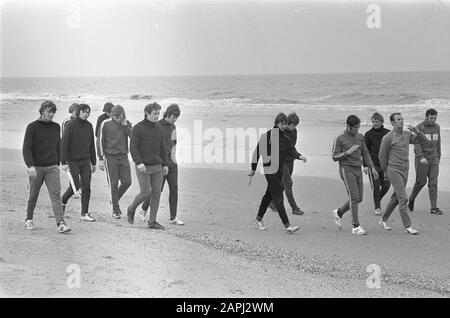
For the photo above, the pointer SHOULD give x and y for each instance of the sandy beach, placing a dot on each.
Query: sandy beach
(219, 252)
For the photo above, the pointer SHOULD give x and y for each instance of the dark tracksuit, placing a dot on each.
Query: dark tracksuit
(288, 169)
(41, 149)
(147, 147)
(100, 120)
(394, 161)
(273, 162)
(381, 185)
(170, 139)
(350, 170)
(429, 149)
(112, 147)
(78, 150)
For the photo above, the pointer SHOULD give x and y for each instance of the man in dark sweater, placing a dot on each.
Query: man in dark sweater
(73, 114)
(112, 150)
(149, 154)
(41, 153)
(373, 139)
(167, 125)
(78, 154)
(274, 146)
(106, 115)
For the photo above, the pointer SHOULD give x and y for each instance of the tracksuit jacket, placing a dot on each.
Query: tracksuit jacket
(113, 138)
(430, 148)
(344, 142)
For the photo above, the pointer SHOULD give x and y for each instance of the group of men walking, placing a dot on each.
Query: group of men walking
(383, 153)
(152, 145)
(385, 157)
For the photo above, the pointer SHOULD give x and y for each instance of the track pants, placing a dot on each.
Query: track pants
(398, 180)
(80, 169)
(172, 180)
(51, 177)
(274, 192)
(150, 182)
(428, 171)
(117, 169)
(353, 180)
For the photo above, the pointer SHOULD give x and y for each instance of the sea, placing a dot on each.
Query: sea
(216, 111)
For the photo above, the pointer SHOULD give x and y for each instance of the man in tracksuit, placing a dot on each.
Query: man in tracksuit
(78, 154)
(167, 125)
(373, 138)
(274, 146)
(394, 162)
(350, 150)
(106, 115)
(149, 153)
(427, 158)
(112, 150)
(41, 153)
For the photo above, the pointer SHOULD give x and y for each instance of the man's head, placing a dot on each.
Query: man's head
(292, 121)
(107, 108)
(396, 120)
(353, 124)
(151, 112)
(172, 113)
(431, 115)
(84, 110)
(118, 114)
(73, 109)
(47, 110)
(281, 121)
(377, 120)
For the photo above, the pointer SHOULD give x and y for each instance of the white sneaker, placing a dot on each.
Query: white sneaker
(411, 230)
(377, 211)
(359, 231)
(292, 229)
(176, 222)
(29, 225)
(260, 225)
(87, 218)
(142, 214)
(63, 228)
(337, 219)
(384, 225)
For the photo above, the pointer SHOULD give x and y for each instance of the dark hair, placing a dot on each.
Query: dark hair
(173, 109)
(292, 118)
(47, 104)
(391, 118)
(353, 120)
(73, 107)
(377, 116)
(108, 107)
(281, 117)
(83, 107)
(151, 107)
(431, 112)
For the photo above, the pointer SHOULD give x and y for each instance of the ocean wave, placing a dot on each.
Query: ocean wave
(52, 96)
(141, 97)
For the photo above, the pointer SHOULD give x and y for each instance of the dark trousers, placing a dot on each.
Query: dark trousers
(428, 171)
(172, 180)
(380, 187)
(117, 169)
(51, 177)
(274, 192)
(80, 169)
(286, 180)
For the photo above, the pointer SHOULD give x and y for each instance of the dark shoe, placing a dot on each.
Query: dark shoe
(411, 205)
(436, 211)
(130, 216)
(155, 225)
(298, 211)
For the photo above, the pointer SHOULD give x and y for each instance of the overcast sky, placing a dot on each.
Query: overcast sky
(134, 38)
